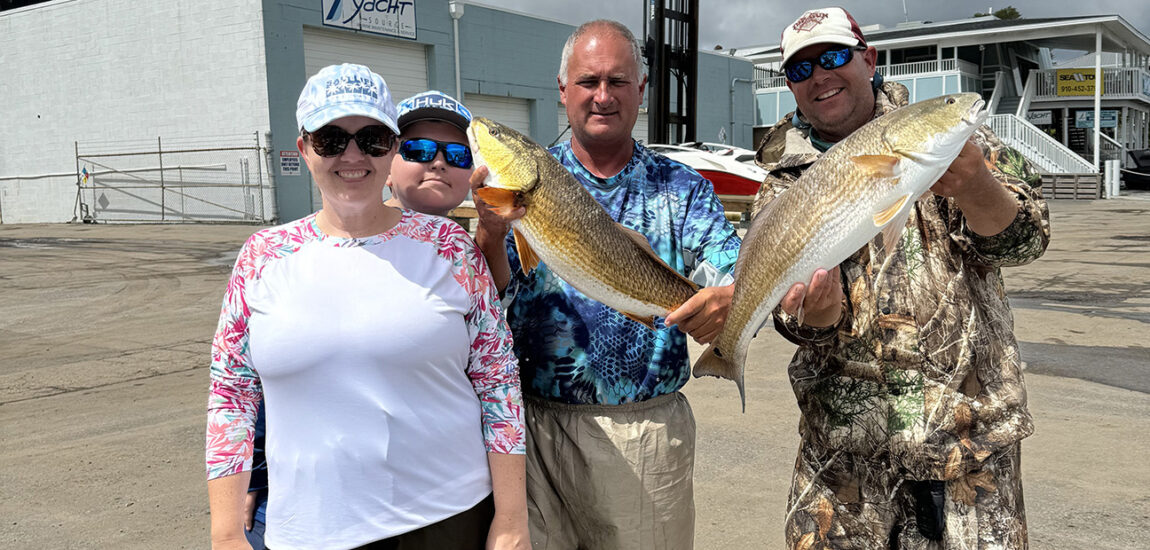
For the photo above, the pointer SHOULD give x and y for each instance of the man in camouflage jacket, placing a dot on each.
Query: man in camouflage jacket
(907, 375)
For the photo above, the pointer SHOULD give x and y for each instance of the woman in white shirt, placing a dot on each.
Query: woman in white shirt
(394, 413)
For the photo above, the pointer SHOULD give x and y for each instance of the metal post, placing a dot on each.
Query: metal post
(260, 175)
(731, 102)
(79, 183)
(160, 153)
(1097, 98)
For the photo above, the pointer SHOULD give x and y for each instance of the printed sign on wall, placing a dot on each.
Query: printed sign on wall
(289, 163)
(387, 17)
(1077, 82)
(1085, 119)
(1040, 118)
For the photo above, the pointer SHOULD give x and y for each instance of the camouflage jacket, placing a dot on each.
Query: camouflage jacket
(922, 371)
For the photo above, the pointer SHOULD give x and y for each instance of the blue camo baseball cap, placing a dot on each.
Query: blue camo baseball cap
(433, 105)
(337, 91)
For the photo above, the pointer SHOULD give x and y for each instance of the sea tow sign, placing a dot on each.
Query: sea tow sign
(565, 228)
(1077, 82)
(865, 185)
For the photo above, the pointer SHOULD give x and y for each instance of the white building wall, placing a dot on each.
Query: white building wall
(96, 71)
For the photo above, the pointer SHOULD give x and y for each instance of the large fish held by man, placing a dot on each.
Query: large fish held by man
(864, 185)
(566, 228)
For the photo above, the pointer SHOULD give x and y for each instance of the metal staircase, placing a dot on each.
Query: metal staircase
(1009, 124)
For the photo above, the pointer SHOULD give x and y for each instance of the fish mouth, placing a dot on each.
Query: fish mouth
(976, 115)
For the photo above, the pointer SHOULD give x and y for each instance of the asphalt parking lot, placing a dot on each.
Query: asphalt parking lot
(104, 341)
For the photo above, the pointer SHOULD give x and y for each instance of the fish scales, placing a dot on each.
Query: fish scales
(563, 246)
(833, 210)
(571, 232)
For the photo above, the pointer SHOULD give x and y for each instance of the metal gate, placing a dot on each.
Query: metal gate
(173, 181)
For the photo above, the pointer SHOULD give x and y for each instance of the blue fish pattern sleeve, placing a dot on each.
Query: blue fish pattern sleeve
(575, 350)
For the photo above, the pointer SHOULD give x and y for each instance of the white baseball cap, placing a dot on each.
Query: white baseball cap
(338, 91)
(821, 26)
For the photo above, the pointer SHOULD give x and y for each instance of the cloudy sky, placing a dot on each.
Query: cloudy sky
(737, 23)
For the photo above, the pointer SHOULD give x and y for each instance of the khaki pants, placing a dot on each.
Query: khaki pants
(611, 477)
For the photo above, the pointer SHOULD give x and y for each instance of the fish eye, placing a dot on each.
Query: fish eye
(950, 101)
(494, 132)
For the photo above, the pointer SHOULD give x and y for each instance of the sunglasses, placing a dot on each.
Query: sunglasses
(424, 150)
(331, 141)
(829, 60)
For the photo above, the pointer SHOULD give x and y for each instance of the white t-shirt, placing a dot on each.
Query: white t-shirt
(388, 376)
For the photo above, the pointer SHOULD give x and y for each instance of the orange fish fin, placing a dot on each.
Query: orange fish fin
(502, 201)
(648, 321)
(645, 245)
(889, 213)
(879, 166)
(896, 217)
(527, 257)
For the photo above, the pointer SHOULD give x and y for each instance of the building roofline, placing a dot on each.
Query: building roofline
(1121, 32)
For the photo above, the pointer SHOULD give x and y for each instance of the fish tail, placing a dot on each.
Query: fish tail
(716, 363)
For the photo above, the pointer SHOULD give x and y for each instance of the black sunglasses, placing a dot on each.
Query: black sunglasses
(424, 150)
(330, 141)
(830, 60)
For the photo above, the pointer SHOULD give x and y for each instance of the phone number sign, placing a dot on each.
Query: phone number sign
(1077, 82)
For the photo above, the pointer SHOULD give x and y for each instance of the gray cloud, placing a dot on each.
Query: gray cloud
(737, 23)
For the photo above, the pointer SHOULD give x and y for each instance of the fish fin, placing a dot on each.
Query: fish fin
(891, 234)
(879, 166)
(528, 259)
(648, 321)
(502, 201)
(714, 363)
(645, 245)
(884, 217)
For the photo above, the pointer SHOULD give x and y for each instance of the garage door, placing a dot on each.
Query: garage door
(509, 111)
(403, 65)
(639, 132)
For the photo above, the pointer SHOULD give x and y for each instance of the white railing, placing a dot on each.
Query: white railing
(766, 77)
(1027, 95)
(1037, 146)
(996, 95)
(1117, 83)
(924, 67)
(1109, 148)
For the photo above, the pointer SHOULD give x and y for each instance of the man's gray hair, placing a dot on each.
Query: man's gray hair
(613, 27)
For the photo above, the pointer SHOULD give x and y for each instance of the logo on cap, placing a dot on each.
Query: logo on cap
(351, 84)
(809, 21)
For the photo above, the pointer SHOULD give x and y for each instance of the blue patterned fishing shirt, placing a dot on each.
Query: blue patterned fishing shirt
(573, 349)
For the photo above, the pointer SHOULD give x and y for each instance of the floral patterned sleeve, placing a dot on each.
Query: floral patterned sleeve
(492, 367)
(235, 392)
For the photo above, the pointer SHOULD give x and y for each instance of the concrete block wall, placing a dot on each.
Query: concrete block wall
(98, 72)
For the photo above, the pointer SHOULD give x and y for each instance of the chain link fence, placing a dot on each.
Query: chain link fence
(206, 179)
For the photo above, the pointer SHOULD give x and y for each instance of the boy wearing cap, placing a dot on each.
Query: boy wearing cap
(430, 173)
(907, 375)
(376, 338)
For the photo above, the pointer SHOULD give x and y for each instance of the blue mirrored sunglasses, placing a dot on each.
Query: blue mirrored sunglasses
(799, 71)
(424, 150)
